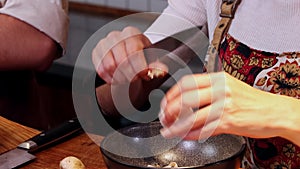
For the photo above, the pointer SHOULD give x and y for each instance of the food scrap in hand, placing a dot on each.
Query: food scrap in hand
(171, 165)
(155, 73)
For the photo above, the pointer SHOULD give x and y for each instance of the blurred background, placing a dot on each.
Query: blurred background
(43, 100)
(87, 16)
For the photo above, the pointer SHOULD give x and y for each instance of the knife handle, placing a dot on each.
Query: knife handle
(52, 136)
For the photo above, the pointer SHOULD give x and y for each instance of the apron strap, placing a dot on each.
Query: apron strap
(228, 9)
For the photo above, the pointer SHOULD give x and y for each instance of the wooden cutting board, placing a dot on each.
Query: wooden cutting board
(85, 147)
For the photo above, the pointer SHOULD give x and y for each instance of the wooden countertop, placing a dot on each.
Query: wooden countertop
(81, 146)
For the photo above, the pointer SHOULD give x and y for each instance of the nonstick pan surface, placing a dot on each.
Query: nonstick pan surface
(141, 145)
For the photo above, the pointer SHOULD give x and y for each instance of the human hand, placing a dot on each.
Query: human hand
(120, 51)
(223, 105)
(119, 57)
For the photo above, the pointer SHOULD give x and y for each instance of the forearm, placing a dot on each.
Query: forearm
(290, 124)
(108, 96)
(24, 47)
(278, 115)
(138, 93)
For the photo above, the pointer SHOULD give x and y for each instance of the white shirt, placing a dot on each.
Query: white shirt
(268, 25)
(48, 16)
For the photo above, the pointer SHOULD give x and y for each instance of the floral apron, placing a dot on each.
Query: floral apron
(271, 72)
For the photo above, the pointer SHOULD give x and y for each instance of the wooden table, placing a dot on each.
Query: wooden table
(81, 146)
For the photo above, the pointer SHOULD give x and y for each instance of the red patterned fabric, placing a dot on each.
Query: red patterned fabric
(271, 72)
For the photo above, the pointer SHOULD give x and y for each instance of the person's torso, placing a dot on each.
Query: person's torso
(270, 25)
(263, 50)
(270, 72)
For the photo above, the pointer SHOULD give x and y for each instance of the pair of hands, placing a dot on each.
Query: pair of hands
(198, 106)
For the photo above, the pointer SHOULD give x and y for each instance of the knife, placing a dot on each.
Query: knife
(23, 153)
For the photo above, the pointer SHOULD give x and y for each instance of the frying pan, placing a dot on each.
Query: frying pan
(140, 145)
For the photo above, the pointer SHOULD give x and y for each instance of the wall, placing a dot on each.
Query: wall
(137, 5)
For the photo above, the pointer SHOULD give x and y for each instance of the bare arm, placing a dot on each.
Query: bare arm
(24, 47)
(138, 92)
(290, 127)
(223, 108)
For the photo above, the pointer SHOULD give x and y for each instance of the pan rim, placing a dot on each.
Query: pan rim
(239, 153)
(236, 155)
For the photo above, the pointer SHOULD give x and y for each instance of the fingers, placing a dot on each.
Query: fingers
(208, 130)
(187, 83)
(191, 91)
(191, 98)
(200, 124)
(101, 69)
(134, 49)
(119, 57)
(181, 126)
(197, 92)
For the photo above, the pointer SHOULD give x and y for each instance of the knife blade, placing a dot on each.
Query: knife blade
(23, 153)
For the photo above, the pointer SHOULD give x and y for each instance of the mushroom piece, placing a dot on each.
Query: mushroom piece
(155, 73)
(171, 165)
(71, 163)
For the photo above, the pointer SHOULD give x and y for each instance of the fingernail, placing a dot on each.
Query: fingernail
(161, 113)
(166, 133)
(161, 117)
(163, 103)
